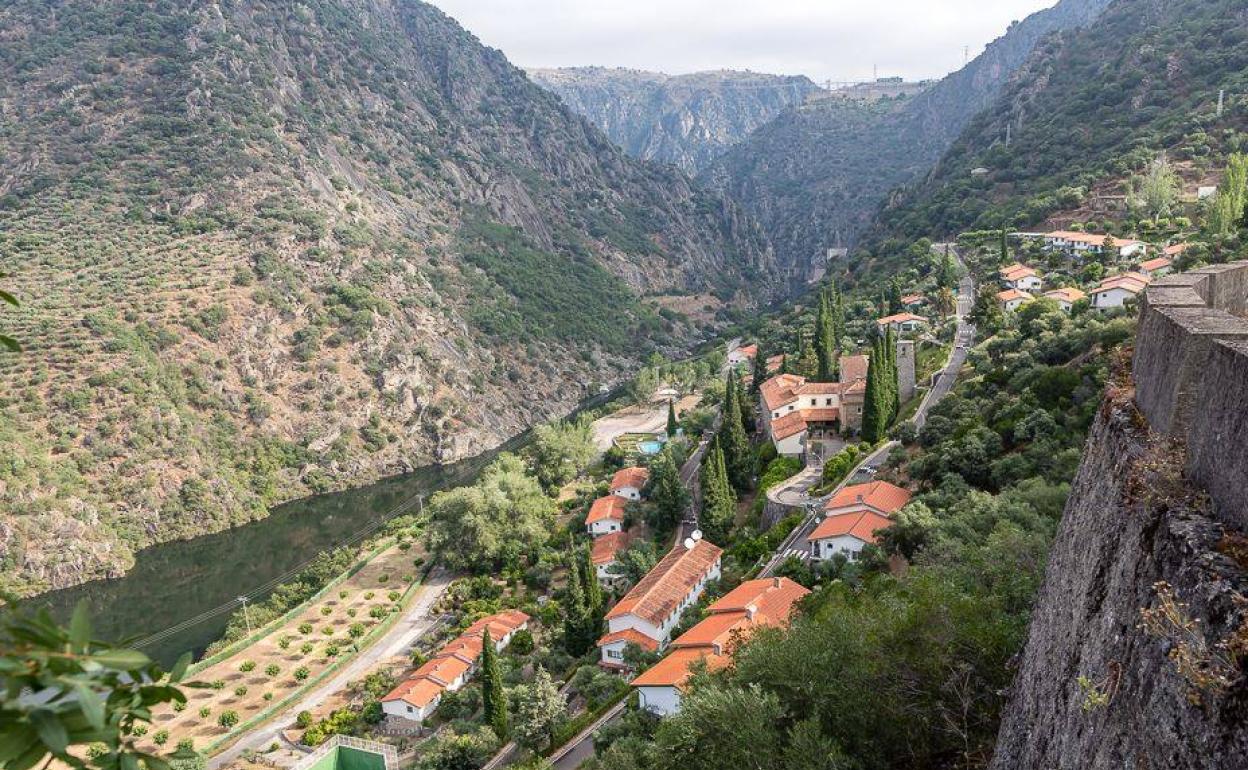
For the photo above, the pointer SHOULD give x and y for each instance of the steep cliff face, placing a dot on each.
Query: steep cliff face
(684, 120)
(816, 177)
(270, 249)
(1138, 648)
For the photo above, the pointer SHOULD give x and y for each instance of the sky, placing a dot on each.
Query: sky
(840, 40)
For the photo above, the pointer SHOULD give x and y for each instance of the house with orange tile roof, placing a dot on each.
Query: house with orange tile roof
(796, 411)
(1065, 297)
(648, 613)
(879, 496)
(853, 368)
(1176, 249)
(774, 363)
(1012, 299)
(1021, 277)
(913, 300)
(418, 696)
(846, 533)
(742, 355)
(901, 322)
(1115, 291)
(628, 483)
(752, 605)
(605, 552)
(606, 515)
(1157, 267)
(1076, 243)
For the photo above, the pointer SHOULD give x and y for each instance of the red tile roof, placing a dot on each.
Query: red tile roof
(854, 368)
(772, 598)
(901, 318)
(860, 524)
(605, 548)
(418, 692)
(1160, 263)
(1068, 294)
(1176, 249)
(774, 363)
(1017, 272)
(913, 299)
(609, 508)
(788, 425)
(635, 477)
(749, 351)
(675, 669)
(822, 414)
(656, 596)
(879, 495)
(780, 390)
(1092, 239)
(630, 635)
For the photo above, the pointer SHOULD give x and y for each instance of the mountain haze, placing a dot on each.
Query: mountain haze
(815, 177)
(683, 120)
(265, 250)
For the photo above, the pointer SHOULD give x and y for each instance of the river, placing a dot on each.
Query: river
(177, 581)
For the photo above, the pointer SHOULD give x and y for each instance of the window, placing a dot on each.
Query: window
(615, 653)
(829, 403)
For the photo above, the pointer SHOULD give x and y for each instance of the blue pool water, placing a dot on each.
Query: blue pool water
(650, 447)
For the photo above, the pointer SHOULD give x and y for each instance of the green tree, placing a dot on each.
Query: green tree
(986, 313)
(719, 504)
(595, 602)
(540, 709)
(673, 426)
(90, 693)
(562, 450)
(493, 697)
(760, 370)
(668, 494)
(733, 441)
(894, 296)
(877, 400)
(825, 340)
(575, 615)
(723, 727)
(458, 751)
(946, 275)
(7, 342)
(1155, 194)
(1004, 247)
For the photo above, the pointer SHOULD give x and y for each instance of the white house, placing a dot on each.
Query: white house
(796, 411)
(730, 620)
(901, 322)
(1116, 291)
(605, 552)
(1093, 243)
(418, 696)
(628, 483)
(606, 515)
(1021, 277)
(1066, 297)
(879, 496)
(1012, 299)
(1156, 268)
(742, 355)
(846, 533)
(648, 613)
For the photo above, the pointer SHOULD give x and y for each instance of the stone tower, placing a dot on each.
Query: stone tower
(905, 369)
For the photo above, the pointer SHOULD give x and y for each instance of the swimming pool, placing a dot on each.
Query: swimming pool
(651, 447)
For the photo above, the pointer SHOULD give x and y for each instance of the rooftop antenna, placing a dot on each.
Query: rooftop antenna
(696, 535)
(690, 543)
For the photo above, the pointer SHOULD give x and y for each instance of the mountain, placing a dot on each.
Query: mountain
(684, 120)
(267, 250)
(1090, 110)
(815, 177)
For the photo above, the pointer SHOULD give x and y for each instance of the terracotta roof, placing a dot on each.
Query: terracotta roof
(1009, 295)
(605, 548)
(606, 508)
(1160, 263)
(500, 624)
(854, 368)
(418, 692)
(749, 351)
(788, 425)
(900, 318)
(1094, 239)
(822, 414)
(859, 524)
(819, 389)
(913, 299)
(675, 669)
(443, 670)
(1132, 282)
(857, 386)
(879, 495)
(1067, 294)
(465, 647)
(772, 598)
(1175, 249)
(630, 635)
(780, 390)
(635, 477)
(656, 596)
(1017, 272)
(774, 362)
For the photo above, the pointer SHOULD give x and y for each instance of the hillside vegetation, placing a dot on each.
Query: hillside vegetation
(270, 249)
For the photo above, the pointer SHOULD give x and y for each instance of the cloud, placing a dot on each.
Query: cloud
(825, 39)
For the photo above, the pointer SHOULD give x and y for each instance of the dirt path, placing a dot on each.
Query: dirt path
(636, 419)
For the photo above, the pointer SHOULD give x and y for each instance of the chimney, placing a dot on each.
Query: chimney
(860, 498)
(775, 582)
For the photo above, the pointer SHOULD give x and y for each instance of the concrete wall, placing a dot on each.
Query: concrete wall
(1191, 377)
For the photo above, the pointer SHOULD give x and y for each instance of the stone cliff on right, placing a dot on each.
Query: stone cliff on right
(1138, 646)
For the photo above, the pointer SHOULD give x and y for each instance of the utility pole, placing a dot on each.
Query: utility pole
(246, 617)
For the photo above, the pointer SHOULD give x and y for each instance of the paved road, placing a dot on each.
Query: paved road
(793, 492)
(416, 622)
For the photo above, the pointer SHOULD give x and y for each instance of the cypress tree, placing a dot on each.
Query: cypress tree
(732, 439)
(594, 601)
(672, 424)
(669, 495)
(875, 400)
(825, 340)
(575, 615)
(784, 364)
(493, 699)
(719, 503)
(1005, 246)
(890, 377)
(760, 370)
(747, 409)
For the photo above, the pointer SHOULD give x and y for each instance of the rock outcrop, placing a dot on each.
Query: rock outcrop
(1137, 648)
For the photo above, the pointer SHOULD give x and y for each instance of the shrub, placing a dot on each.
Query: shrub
(228, 719)
(326, 611)
(303, 719)
(272, 669)
(521, 642)
(301, 673)
(331, 651)
(383, 578)
(305, 648)
(342, 594)
(356, 630)
(247, 666)
(241, 690)
(161, 737)
(186, 744)
(179, 706)
(284, 642)
(328, 630)
(393, 596)
(218, 684)
(204, 712)
(379, 612)
(305, 628)
(268, 696)
(139, 731)
(369, 594)
(351, 612)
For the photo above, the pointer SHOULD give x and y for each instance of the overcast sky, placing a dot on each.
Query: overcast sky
(824, 39)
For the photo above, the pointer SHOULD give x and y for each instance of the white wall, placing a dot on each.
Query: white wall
(828, 547)
(663, 701)
(1110, 299)
(604, 527)
(404, 710)
(793, 446)
(628, 493)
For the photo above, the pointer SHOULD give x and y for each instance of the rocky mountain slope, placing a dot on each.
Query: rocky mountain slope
(265, 250)
(683, 120)
(816, 177)
(1090, 109)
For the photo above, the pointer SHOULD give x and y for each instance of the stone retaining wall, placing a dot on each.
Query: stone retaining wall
(1191, 377)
